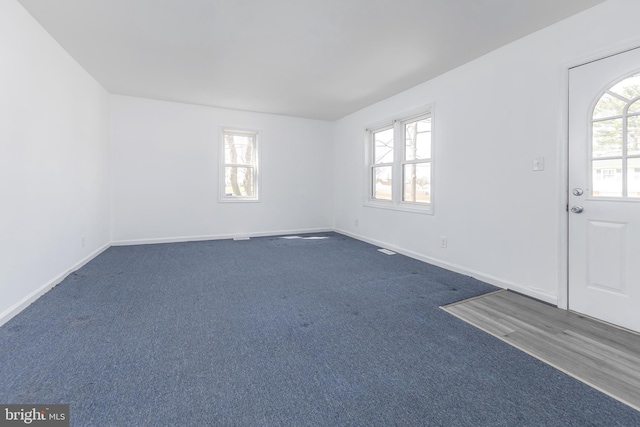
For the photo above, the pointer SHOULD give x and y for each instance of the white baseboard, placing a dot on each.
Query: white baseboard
(217, 237)
(12, 311)
(532, 292)
(492, 280)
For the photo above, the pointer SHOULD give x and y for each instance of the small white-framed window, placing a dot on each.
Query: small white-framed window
(400, 163)
(239, 165)
(608, 173)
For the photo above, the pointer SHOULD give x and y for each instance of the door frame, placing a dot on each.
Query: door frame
(563, 160)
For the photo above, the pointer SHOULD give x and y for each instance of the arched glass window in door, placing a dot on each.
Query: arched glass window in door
(615, 150)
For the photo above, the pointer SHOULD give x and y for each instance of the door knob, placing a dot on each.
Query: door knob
(577, 209)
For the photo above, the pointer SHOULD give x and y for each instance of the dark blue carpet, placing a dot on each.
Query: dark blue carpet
(278, 332)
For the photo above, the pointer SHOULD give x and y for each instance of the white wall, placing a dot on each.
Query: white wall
(492, 117)
(53, 161)
(165, 160)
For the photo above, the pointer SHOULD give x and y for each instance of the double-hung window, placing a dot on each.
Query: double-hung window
(239, 171)
(399, 163)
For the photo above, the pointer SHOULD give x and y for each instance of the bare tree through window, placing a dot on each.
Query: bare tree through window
(240, 164)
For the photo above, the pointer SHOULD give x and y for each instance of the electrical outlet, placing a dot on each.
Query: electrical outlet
(83, 240)
(443, 242)
(355, 222)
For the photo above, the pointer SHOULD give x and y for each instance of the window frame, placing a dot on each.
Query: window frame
(397, 201)
(612, 173)
(234, 130)
(373, 165)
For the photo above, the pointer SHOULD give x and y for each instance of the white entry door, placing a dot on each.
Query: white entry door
(604, 189)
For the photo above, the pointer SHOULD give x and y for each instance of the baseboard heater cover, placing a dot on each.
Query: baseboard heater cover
(386, 251)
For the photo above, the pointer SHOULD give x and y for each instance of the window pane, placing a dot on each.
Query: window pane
(607, 178)
(633, 135)
(382, 183)
(417, 144)
(239, 149)
(608, 106)
(417, 183)
(239, 182)
(607, 138)
(424, 125)
(633, 178)
(383, 146)
(629, 87)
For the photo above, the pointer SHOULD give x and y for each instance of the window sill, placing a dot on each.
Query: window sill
(237, 200)
(402, 207)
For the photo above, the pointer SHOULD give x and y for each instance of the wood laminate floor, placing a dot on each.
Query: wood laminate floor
(596, 353)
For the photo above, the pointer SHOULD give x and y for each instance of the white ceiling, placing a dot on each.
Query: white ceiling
(319, 59)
